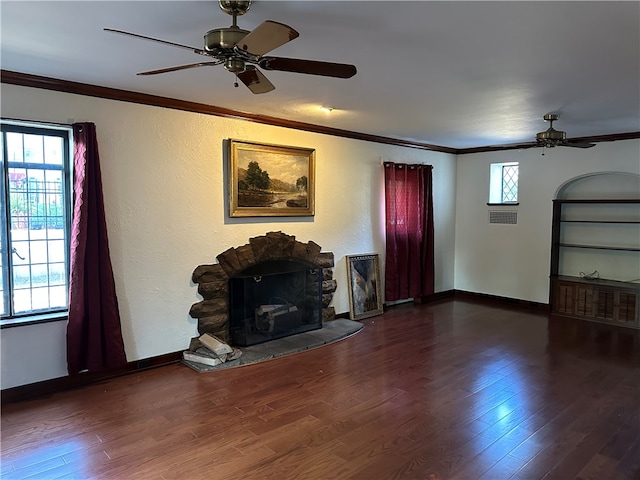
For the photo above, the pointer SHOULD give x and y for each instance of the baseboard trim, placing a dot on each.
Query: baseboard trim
(434, 297)
(56, 385)
(508, 301)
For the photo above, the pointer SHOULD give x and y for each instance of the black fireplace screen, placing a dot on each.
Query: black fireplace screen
(273, 300)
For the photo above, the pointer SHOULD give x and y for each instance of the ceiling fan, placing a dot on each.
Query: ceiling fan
(553, 138)
(240, 51)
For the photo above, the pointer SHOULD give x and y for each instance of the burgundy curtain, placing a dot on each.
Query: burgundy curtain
(94, 336)
(409, 265)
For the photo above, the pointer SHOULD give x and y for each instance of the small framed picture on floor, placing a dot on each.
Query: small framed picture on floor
(365, 298)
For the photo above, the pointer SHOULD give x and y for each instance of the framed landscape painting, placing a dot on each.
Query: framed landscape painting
(365, 299)
(270, 180)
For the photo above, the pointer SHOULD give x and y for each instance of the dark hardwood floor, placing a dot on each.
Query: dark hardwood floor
(449, 390)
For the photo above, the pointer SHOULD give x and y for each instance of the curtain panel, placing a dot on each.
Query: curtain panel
(94, 336)
(409, 262)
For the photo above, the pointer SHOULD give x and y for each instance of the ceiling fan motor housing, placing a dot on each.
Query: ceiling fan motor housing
(551, 134)
(221, 40)
(551, 137)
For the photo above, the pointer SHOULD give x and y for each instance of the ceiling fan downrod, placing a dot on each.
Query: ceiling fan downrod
(234, 8)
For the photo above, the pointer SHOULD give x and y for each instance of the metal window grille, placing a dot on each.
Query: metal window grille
(509, 183)
(34, 228)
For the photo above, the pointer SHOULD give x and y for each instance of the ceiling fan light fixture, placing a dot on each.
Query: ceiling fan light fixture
(234, 65)
(551, 137)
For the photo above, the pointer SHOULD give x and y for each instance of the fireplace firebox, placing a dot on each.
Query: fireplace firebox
(274, 299)
(241, 285)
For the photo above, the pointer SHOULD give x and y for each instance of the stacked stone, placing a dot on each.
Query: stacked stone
(212, 312)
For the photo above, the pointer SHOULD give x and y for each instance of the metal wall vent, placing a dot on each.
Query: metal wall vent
(502, 217)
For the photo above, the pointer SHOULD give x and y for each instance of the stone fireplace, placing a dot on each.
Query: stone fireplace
(271, 287)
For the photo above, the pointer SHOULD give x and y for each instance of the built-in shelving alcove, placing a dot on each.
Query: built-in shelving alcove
(595, 250)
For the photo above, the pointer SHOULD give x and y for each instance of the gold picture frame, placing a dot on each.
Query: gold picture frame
(271, 180)
(365, 297)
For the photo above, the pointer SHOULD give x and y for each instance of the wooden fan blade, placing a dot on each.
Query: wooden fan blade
(265, 37)
(255, 80)
(179, 67)
(578, 144)
(199, 51)
(310, 67)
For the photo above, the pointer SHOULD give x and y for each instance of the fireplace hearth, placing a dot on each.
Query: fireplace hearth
(272, 287)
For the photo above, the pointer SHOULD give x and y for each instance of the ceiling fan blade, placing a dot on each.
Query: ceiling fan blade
(578, 144)
(255, 80)
(265, 37)
(179, 67)
(310, 67)
(199, 51)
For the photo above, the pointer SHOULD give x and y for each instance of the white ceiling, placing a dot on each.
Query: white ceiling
(455, 74)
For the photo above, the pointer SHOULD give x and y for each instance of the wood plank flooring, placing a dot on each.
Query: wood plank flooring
(450, 390)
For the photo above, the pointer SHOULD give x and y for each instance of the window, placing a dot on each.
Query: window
(503, 185)
(35, 213)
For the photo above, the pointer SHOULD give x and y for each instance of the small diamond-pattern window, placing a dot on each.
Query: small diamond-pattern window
(503, 183)
(509, 183)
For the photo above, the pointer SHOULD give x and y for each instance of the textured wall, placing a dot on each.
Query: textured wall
(513, 260)
(165, 194)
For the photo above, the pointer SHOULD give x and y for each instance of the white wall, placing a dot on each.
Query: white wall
(164, 191)
(513, 260)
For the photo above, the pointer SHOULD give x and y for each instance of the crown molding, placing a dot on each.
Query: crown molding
(47, 83)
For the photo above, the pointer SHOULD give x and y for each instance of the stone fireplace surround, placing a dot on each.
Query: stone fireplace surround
(212, 312)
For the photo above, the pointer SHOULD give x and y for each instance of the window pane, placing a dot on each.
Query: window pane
(510, 183)
(21, 277)
(40, 298)
(22, 300)
(58, 296)
(56, 250)
(20, 252)
(57, 274)
(33, 149)
(14, 147)
(39, 275)
(53, 152)
(38, 249)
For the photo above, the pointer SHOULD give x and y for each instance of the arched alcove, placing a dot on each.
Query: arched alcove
(595, 252)
(600, 185)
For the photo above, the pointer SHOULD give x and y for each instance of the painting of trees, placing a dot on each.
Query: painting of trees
(270, 180)
(301, 183)
(256, 177)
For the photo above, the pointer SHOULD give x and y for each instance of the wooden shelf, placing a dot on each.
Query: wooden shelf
(600, 247)
(599, 300)
(603, 201)
(632, 222)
